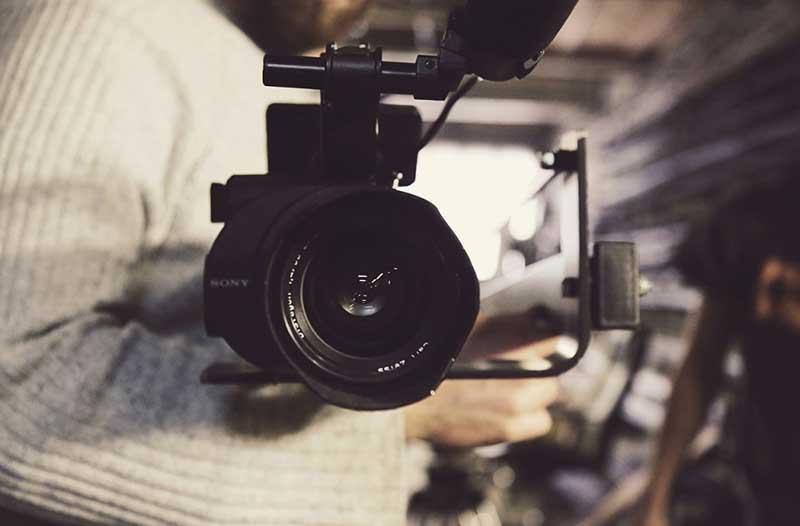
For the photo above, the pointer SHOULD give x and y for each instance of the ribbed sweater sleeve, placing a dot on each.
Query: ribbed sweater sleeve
(102, 418)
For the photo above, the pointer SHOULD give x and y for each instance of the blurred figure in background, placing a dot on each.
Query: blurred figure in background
(114, 119)
(746, 260)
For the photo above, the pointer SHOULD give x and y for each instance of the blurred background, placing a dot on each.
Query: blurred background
(684, 102)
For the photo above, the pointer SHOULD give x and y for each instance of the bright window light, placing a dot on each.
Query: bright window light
(476, 188)
(527, 220)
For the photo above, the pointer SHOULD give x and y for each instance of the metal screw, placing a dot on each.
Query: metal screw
(398, 176)
(645, 286)
(533, 61)
(548, 160)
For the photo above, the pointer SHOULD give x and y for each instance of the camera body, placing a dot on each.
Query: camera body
(359, 290)
(326, 273)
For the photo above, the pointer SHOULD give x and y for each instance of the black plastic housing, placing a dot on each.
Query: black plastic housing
(289, 127)
(267, 220)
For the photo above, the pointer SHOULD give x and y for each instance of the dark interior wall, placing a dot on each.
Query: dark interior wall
(720, 113)
(736, 131)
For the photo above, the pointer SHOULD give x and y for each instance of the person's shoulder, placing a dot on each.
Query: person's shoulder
(183, 45)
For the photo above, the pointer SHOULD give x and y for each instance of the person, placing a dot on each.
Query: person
(746, 260)
(115, 117)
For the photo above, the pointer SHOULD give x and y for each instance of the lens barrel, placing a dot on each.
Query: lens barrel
(364, 291)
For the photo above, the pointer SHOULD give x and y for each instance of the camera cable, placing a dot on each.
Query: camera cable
(434, 128)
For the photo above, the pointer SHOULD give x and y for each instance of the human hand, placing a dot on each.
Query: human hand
(471, 413)
(515, 337)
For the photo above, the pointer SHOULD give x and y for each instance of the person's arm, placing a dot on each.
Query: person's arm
(102, 417)
(696, 384)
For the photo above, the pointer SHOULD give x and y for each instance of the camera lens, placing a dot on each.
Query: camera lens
(368, 294)
(363, 291)
(363, 276)
(364, 297)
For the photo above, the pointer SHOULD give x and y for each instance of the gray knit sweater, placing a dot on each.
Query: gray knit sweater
(115, 116)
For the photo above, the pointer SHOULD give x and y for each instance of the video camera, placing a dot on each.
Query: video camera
(325, 273)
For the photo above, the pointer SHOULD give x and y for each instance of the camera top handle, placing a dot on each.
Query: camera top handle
(350, 81)
(497, 41)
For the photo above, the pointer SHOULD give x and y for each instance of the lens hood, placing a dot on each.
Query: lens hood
(311, 254)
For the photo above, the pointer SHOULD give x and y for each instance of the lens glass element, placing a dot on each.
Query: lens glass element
(364, 291)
